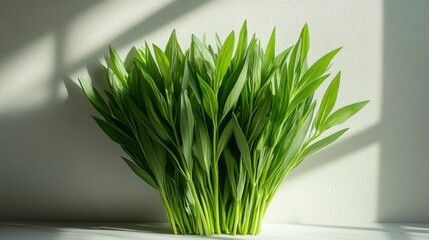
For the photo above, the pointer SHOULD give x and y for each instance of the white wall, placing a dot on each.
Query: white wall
(57, 165)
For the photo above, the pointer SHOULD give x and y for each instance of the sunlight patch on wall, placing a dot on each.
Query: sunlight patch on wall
(27, 76)
(90, 32)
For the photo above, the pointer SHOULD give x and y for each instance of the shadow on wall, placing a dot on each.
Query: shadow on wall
(403, 131)
(50, 151)
(404, 167)
(56, 164)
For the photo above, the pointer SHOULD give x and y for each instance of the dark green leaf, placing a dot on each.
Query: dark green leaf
(113, 132)
(224, 137)
(187, 123)
(209, 99)
(141, 173)
(244, 147)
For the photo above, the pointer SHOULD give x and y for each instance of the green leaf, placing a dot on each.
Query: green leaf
(342, 114)
(244, 147)
(173, 47)
(202, 146)
(186, 76)
(322, 143)
(118, 65)
(328, 101)
(115, 84)
(156, 122)
(299, 138)
(224, 59)
(270, 50)
(241, 45)
(319, 67)
(305, 92)
(236, 91)
(150, 66)
(141, 173)
(209, 99)
(204, 51)
(216, 127)
(231, 168)
(218, 42)
(294, 61)
(113, 132)
(305, 41)
(158, 98)
(259, 119)
(164, 66)
(281, 58)
(94, 97)
(187, 123)
(262, 160)
(241, 181)
(224, 137)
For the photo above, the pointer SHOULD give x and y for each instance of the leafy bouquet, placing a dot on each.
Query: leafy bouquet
(216, 129)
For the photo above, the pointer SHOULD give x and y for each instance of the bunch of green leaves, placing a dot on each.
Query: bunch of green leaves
(215, 129)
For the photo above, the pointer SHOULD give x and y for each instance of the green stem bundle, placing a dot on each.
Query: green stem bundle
(217, 131)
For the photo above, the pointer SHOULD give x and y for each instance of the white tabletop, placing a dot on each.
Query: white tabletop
(117, 231)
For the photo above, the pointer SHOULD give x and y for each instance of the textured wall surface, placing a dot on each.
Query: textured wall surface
(57, 165)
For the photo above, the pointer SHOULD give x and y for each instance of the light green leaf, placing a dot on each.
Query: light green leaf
(241, 181)
(164, 66)
(270, 50)
(218, 42)
(342, 114)
(305, 41)
(306, 92)
(118, 65)
(319, 67)
(236, 91)
(224, 59)
(115, 84)
(299, 138)
(328, 101)
(241, 45)
(173, 47)
(199, 46)
(262, 160)
(322, 143)
(150, 66)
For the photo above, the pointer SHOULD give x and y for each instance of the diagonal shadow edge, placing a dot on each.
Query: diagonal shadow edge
(338, 150)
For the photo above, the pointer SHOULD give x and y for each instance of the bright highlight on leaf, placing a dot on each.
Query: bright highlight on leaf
(216, 129)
